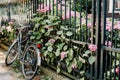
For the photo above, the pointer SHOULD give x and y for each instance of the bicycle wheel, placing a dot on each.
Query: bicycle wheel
(29, 64)
(12, 53)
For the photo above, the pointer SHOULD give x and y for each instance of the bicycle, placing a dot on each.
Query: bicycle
(27, 52)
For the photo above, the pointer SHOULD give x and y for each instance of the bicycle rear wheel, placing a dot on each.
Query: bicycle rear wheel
(29, 64)
(12, 53)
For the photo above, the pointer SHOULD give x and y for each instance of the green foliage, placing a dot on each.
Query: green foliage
(83, 4)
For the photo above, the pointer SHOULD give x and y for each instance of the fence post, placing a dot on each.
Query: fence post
(98, 37)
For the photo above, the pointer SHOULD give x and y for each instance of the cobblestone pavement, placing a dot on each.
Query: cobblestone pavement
(6, 73)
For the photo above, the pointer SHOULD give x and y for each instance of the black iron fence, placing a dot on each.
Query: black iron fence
(92, 35)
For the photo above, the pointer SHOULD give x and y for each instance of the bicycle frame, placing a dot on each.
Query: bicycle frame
(19, 42)
(21, 52)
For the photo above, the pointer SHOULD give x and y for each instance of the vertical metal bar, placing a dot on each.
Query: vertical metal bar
(93, 21)
(34, 6)
(57, 8)
(53, 7)
(80, 20)
(74, 19)
(49, 6)
(93, 31)
(112, 37)
(70, 14)
(9, 15)
(86, 20)
(61, 10)
(80, 12)
(106, 65)
(40, 4)
(65, 12)
(115, 57)
(98, 34)
(103, 38)
(46, 2)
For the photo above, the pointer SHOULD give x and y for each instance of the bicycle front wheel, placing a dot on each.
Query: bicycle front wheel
(29, 64)
(12, 53)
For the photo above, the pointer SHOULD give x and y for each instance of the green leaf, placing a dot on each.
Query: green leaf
(38, 37)
(42, 30)
(69, 69)
(75, 61)
(118, 56)
(48, 60)
(60, 46)
(52, 59)
(81, 59)
(38, 42)
(67, 61)
(59, 32)
(45, 53)
(51, 55)
(37, 25)
(87, 53)
(69, 33)
(57, 53)
(32, 37)
(50, 48)
(70, 54)
(79, 64)
(65, 47)
(91, 59)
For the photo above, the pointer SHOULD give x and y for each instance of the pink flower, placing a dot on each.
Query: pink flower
(108, 43)
(89, 25)
(89, 16)
(52, 41)
(55, 1)
(59, 7)
(108, 21)
(45, 8)
(9, 29)
(92, 47)
(117, 70)
(73, 66)
(11, 23)
(63, 55)
(118, 22)
(70, 14)
(90, 38)
(117, 27)
(108, 27)
(83, 21)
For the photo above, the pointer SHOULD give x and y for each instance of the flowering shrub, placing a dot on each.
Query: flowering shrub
(53, 31)
(8, 32)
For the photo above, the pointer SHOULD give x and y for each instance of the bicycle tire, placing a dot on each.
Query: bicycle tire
(31, 62)
(14, 53)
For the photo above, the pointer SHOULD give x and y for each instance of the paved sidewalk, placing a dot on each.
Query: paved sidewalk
(4, 74)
